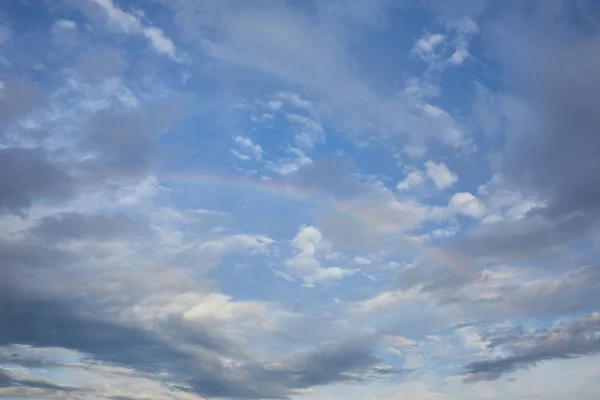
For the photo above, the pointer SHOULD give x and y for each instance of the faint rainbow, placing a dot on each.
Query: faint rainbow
(347, 209)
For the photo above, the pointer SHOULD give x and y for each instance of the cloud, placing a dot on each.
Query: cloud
(291, 164)
(310, 244)
(65, 24)
(467, 204)
(17, 99)
(100, 63)
(262, 39)
(413, 178)
(465, 28)
(426, 45)
(312, 132)
(440, 175)
(249, 147)
(543, 157)
(389, 300)
(124, 22)
(27, 175)
(575, 338)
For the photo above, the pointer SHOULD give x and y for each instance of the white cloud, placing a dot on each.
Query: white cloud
(290, 164)
(458, 57)
(467, 204)
(465, 29)
(388, 300)
(305, 265)
(308, 53)
(440, 175)
(307, 240)
(248, 147)
(312, 132)
(144, 190)
(398, 342)
(274, 105)
(325, 274)
(414, 178)
(130, 24)
(65, 24)
(295, 100)
(361, 260)
(426, 45)
(239, 155)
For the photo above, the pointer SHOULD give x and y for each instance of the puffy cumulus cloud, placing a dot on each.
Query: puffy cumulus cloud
(412, 179)
(247, 146)
(467, 204)
(425, 46)
(440, 175)
(311, 249)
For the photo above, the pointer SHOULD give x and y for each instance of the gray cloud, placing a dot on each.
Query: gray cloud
(34, 313)
(17, 98)
(552, 134)
(71, 225)
(100, 63)
(27, 174)
(565, 340)
(524, 239)
(121, 145)
(52, 324)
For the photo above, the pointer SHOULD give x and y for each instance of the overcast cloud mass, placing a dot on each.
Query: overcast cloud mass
(341, 199)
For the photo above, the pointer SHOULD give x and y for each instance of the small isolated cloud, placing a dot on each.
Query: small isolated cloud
(65, 24)
(467, 204)
(306, 264)
(465, 29)
(247, 149)
(440, 175)
(412, 179)
(427, 44)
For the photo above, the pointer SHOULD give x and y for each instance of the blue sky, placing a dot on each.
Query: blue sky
(356, 200)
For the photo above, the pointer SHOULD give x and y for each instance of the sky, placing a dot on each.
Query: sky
(271, 199)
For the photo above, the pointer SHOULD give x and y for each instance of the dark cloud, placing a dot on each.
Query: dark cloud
(121, 145)
(34, 313)
(551, 54)
(71, 225)
(17, 99)
(524, 239)
(575, 291)
(556, 152)
(565, 340)
(26, 174)
(125, 144)
(56, 324)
